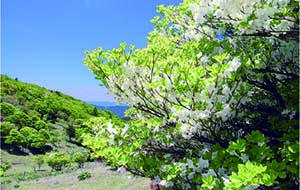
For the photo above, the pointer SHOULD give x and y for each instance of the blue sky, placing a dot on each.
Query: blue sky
(43, 41)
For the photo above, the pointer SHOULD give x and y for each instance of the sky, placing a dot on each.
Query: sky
(43, 41)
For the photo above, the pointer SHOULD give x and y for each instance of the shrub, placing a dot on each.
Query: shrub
(15, 138)
(4, 167)
(79, 158)
(57, 160)
(5, 128)
(84, 175)
(39, 160)
(7, 109)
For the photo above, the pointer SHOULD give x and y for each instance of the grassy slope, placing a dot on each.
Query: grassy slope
(102, 177)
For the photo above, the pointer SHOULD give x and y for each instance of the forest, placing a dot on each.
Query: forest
(213, 97)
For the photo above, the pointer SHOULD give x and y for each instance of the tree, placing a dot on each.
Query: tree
(57, 160)
(216, 95)
(5, 128)
(79, 158)
(34, 138)
(7, 109)
(95, 112)
(40, 124)
(20, 119)
(70, 131)
(15, 138)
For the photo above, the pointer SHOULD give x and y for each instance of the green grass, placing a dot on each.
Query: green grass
(101, 177)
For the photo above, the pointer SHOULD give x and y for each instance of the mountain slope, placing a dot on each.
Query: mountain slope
(33, 116)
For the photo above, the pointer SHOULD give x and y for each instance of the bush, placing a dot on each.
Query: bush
(15, 138)
(7, 109)
(5, 128)
(39, 160)
(79, 158)
(57, 160)
(84, 175)
(4, 167)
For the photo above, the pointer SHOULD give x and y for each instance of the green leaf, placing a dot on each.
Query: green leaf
(256, 137)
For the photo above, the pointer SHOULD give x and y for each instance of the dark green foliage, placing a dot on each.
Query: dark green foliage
(95, 112)
(70, 131)
(84, 175)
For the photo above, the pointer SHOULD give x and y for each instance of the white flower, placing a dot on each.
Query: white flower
(234, 64)
(204, 114)
(226, 180)
(199, 54)
(224, 113)
(226, 90)
(125, 129)
(110, 129)
(204, 59)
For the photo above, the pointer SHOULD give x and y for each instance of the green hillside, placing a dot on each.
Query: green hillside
(41, 139)
(34, 118)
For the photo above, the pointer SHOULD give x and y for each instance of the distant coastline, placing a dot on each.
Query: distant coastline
(110, 106)
(104, 103)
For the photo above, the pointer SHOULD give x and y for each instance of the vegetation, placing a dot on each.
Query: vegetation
(43, 140)
(79, 158)
(23, 175)
(33, 116)
(39, 160)
(84, 175)
(214, 97)
(4, 167)
(214, 100)
(57, 160)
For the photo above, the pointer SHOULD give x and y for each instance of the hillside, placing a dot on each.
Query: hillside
(41, 142)
(35, 118)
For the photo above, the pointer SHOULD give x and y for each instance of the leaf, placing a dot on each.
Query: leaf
(257, 137)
